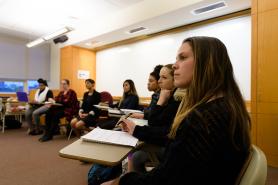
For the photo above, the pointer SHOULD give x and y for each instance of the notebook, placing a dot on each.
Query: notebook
(115, 111)
(99, 135)
(22, 96)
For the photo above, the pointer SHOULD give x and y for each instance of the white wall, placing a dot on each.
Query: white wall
(136, 61)
(54, 82)
(21, 63)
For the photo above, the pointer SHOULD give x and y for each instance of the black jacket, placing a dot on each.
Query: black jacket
(160, 121)
(201, 153)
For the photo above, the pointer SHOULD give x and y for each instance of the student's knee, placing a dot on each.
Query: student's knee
(73, 122)
(80, 125)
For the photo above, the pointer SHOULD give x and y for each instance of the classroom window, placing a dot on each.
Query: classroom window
(11, 86)
(32, 84)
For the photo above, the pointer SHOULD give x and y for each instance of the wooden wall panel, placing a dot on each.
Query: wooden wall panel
(66, 63)
(267, 56)
(267, 138)
(266, 5)
(264, 72)
(253, 128)
(74, 59)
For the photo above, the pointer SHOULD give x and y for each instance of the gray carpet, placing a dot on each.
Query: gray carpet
(26, 161)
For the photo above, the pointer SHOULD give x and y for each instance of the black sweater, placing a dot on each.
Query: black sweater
(130, 102)
(89, 101)
(201, 153)
(160, 121)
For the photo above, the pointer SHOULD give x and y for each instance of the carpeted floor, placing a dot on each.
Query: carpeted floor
(26, 161)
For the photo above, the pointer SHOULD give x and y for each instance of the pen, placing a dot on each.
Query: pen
(121, 119)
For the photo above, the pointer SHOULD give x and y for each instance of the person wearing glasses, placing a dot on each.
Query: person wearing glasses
(64, 105)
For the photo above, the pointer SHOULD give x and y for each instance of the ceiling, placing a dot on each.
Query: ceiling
(33, 18)
(99, 22)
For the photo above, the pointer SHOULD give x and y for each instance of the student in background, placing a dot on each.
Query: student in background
(37, 108)
(152, 86)
(210, 135)
(88, 113)
(129, 100)
(69, 107)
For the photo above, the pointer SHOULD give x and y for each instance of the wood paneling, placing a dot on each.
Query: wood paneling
(267, 137)
(74, 59)
(253, 128)
(267, 56)
(254, 5)
(264, 72)
(267, 108)
(266, 5)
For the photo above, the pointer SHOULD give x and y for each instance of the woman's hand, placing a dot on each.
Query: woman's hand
(128, 126)
(164, 97)
(51, 100)
(137, 115)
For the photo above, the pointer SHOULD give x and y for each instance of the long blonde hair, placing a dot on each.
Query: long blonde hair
(213, 76)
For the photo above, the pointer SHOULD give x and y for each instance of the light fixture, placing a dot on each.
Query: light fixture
(209, 8)
(136, 30)
(35, 42)
(48, 37)
(57, 33)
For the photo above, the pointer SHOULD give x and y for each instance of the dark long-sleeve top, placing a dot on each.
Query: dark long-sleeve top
(130, 102)
(160, 121)
(201, 153)
(69, 102)
(154, 100)
(89, 101)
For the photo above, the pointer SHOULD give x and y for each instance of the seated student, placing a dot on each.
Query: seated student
(129, 100)
(88, 112)
(35, 110)
(210, 136)
(159, 123)
(152, 86)
(70, 105)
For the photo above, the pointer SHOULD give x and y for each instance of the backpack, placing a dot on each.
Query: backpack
(11, 123)
(99, 173)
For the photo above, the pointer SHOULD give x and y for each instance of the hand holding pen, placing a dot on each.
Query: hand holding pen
(122, 118)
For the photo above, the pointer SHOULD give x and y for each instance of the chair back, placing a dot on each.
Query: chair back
(254, 171)
(106, 97)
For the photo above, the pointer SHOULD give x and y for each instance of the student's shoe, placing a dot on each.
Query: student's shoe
(36, 133)
(32, 132)
(45, 138)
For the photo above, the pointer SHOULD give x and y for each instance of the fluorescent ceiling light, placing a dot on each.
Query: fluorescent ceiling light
(48, 37)
(35, 42)
(57, 33)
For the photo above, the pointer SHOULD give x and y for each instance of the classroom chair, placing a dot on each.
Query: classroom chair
(254, 171)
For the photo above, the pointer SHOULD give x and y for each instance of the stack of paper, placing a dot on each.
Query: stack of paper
(139, 122)
(110, 137)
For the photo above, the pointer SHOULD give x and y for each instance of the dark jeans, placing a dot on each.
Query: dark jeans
(52, 120)
(148, 155)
